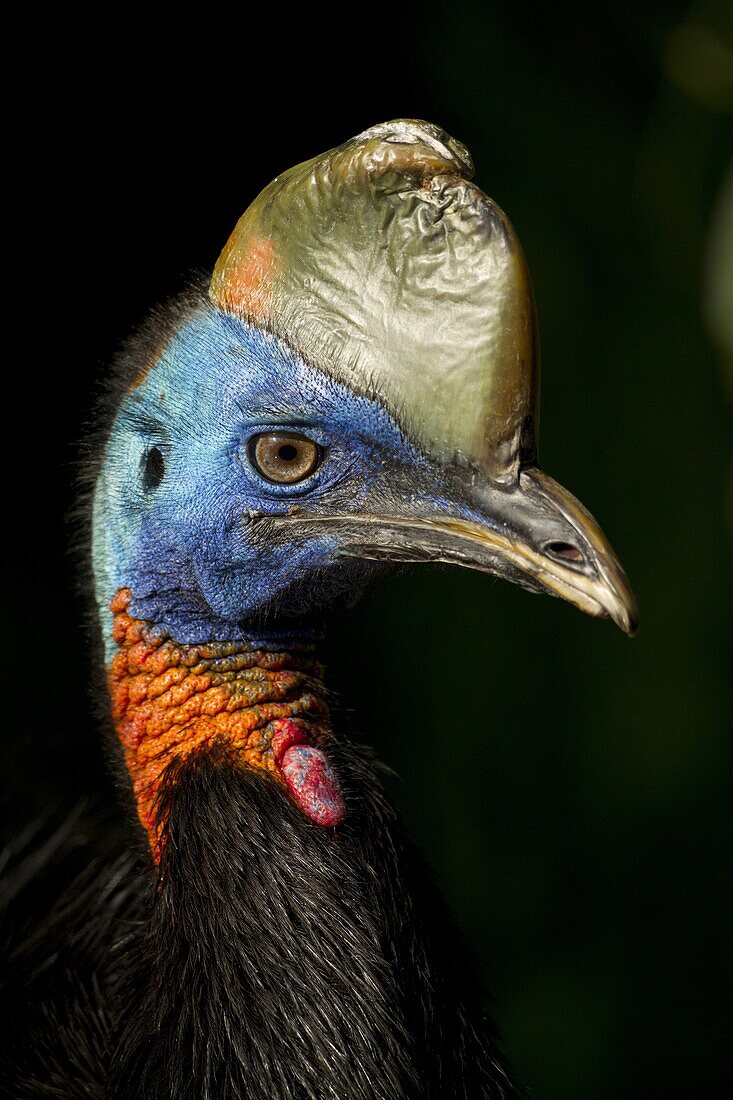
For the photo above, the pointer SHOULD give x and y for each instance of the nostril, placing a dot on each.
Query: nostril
(564, 551)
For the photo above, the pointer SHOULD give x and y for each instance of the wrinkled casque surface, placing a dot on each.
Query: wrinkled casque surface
(383, 264)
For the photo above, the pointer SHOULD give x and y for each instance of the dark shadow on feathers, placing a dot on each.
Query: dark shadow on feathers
(55, 1012)
(273, 959)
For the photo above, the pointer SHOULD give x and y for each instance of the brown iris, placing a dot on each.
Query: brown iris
(284, 457)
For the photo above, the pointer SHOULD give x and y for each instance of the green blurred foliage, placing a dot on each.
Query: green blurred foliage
(570, 787)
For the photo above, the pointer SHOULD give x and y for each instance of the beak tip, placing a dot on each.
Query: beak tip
(630, 627)
(626, 616)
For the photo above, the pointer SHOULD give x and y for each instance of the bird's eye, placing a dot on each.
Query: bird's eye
(154, 469)
(284, 457)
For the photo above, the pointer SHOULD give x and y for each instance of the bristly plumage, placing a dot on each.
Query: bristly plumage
(301, 964)
(357, 389)
(270, 959)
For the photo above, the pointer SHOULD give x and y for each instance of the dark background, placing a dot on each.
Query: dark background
(569, 786)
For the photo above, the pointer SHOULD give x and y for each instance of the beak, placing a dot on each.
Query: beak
(536, 535)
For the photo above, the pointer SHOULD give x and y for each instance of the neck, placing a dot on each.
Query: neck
(282, 960)
(278, 958)
(265, 706)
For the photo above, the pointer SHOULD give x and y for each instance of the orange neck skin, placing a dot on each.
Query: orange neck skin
(170, 700)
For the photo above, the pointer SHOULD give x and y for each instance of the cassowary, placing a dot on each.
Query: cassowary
(357, 386)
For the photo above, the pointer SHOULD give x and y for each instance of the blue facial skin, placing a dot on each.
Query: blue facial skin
(184, 546)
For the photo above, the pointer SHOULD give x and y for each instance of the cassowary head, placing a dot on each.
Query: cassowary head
(360, 387)
(357, 387)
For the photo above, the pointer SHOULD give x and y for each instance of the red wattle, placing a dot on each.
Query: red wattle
(313, 784)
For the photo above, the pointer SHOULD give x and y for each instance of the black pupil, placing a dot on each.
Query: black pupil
(287, 452)
(154, 469)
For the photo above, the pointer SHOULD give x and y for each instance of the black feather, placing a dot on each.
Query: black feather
(271, 958)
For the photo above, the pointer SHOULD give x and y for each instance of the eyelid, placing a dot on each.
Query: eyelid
(296, 427)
